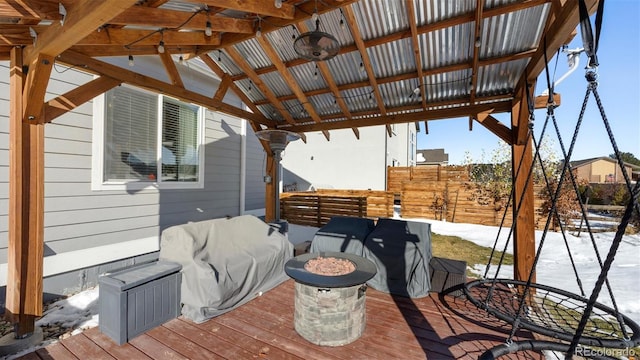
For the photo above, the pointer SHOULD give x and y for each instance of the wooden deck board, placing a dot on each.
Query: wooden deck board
(432, 327)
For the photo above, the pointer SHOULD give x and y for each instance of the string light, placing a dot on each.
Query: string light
(207, 29)
(278, 4)
(342, 25)
(315, 74)
(362, 67)
(181, 60)
(293, 35)
(315, 17)
(219, 55)
(161, 44)
(131, 62)
(259, 32)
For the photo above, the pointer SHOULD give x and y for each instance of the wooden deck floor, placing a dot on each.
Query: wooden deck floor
(397, 328)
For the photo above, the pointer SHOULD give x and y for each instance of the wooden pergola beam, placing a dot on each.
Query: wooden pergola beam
(291, 81)
(428, 115)
(85, 17)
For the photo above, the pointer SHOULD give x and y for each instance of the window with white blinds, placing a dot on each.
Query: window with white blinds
(150, 139)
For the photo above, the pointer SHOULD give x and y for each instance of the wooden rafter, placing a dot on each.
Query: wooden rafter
(145, 82)
(404, 76)
(171, 69)
(417, 56)
(241, 62)
(366, 62)
(424, 29)
(331, 84)
(476, 56)
(290, 81)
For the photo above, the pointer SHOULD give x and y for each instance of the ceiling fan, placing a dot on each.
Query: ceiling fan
(316, 45)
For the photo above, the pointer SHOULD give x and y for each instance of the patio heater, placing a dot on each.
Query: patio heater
(278, 140)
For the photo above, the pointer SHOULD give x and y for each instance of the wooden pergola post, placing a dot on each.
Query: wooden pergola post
(270, 190)
(524, 242)
(26, 206)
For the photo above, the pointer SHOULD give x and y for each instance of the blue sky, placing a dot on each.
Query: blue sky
(619, 90)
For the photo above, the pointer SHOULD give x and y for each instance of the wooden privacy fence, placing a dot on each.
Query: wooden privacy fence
(396, 175)
(445, 193)
(317, 208)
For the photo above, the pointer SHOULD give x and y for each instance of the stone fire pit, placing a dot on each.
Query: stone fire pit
(330, 309)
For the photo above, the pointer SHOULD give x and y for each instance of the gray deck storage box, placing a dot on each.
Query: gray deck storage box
(446, 274)
(139, 298)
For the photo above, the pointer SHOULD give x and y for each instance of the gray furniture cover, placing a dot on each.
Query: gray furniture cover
(401, 251)
(225, 262)
(342, 234)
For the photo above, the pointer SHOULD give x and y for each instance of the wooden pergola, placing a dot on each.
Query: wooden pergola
(241, 43)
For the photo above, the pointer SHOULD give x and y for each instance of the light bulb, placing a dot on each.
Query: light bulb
(342, 24)
(259, 32)
(161, 47)
(278, 4)
(315, 17)
(416, 91)
(180, 60)
(361, 67)
(315, 75)
(207, 29)
(370, 99)
(131, 63)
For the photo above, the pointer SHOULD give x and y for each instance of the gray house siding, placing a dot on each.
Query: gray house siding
(81, 224)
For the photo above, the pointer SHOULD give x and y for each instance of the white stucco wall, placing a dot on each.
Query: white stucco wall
(345, 162)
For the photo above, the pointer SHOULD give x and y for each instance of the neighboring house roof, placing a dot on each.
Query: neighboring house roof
(432, 156)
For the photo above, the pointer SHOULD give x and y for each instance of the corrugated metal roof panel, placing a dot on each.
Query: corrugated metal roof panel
(346, 68)
(330, 23)
(252, 52)
(398, 93)
(274, 81)
(450, 85)
(325, 104)
(308, 76)
(429, 12)
(224, 61)
(447, 46)
(392, 58)
(282, 42)
(250, 89)
(499, 78)
(360, 99)
(380, 17)
(513, 32)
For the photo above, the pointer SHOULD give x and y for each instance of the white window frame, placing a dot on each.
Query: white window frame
(97, 154)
